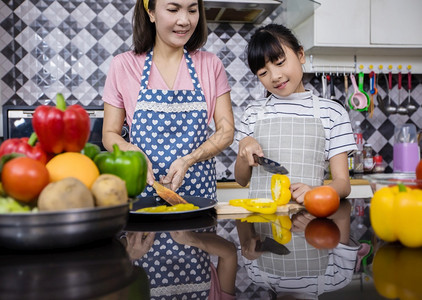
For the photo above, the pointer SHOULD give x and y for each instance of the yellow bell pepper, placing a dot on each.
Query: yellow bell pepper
(259, 205)
(396, 215)
(397, 271)
(258, 218)
(280, 189)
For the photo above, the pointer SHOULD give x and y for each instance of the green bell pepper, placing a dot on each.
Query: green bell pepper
(91, 150)
(131, 166)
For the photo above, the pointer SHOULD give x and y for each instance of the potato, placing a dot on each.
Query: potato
(109, 189)
(65, 194)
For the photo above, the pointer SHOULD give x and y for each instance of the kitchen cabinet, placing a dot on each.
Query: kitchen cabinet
(363, 27)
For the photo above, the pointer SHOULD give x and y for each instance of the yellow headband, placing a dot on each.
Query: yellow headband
(146, 2)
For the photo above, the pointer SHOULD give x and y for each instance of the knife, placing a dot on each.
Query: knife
(270, 245)
(270, 165)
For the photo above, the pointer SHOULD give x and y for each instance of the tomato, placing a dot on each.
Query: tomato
(322, 201)
(322, 233)
(24, 178)
(419, 170)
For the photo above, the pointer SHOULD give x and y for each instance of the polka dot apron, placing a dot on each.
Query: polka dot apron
(167, 125)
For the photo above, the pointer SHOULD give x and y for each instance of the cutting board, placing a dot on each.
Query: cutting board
(224, 208)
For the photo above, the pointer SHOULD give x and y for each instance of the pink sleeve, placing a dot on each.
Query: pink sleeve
(213, 78)
(215, 291)
(122, 85)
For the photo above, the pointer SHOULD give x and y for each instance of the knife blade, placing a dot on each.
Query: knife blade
(270, 245)
(270, 165)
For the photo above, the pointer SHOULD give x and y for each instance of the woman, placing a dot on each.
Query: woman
(169, 92)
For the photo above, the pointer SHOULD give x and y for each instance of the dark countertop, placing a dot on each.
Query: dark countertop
(103, 270)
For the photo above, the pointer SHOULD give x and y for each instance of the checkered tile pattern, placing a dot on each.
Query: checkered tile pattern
(48, 46)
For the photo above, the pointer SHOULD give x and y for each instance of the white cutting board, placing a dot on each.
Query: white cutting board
(224, 208)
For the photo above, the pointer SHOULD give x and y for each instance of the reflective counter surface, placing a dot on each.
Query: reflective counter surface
(287, 256)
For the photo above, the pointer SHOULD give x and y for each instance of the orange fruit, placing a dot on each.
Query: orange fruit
(73, 164)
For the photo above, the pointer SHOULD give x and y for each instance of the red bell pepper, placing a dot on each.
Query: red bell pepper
(27, 146)
(60, 129)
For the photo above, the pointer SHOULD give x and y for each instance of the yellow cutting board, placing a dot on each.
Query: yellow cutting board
(224, 208)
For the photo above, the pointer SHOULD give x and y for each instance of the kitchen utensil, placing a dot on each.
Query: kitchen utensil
(401, 109)
(168, 195)
(406, 152)
(61, 229)
(358, 100)
(378, 181)
(380, 101)
(372, 91)
(270, 245)
(391, 109)
(324, 86)
(410, 107)
(204, 204)
(270, 165)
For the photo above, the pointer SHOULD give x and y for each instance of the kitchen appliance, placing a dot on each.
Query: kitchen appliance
(239, 11)
(406, 152)
(17, 122)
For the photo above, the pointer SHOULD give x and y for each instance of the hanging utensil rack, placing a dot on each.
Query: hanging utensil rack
(332, 69)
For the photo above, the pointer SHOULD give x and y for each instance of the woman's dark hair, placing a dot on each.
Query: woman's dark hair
(266, 45)
(144, 31)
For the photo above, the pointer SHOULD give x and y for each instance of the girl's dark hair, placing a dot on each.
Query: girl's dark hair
(144, 31)
(266, 45)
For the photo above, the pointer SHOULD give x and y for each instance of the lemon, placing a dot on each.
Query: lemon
(73, 164)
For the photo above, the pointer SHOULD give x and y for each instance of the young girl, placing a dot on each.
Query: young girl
(292, 125)
(168, 91)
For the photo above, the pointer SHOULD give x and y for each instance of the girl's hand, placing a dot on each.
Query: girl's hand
(248, 248)
(298, 191)
(139, 243)
(177, 171)
(248, 146)
(300, 220)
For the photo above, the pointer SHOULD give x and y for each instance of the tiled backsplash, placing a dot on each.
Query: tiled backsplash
(66, 46)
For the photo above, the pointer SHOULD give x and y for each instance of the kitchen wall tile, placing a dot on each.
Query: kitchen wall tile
(48, 45)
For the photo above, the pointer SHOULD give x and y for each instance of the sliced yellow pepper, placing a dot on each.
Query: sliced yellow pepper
(258, 218)
(280, 189)
(165, 208)
(259, 205)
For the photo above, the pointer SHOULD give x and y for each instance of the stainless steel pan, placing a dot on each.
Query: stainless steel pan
(61, 229)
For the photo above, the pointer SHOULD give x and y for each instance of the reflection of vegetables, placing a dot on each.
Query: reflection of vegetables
(396, 214)
(281, 229)
(322, 201)
(280, 225)
(397, 271)
(173, 208)
(259, 205)
(24, 178)
(280, 191)
(26, 146)
(10, 205)
(131, 166)
(61, 129)
(322, 233)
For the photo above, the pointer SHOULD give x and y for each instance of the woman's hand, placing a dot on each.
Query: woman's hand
(177, 171)
(139, 243)
(298, 191)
